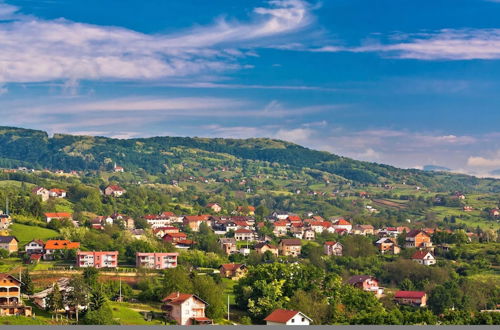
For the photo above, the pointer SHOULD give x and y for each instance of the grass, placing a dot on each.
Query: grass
(21, 320)
(129, 315)
(228, 290)
(8, 264)
(13, 183)
(25, 233)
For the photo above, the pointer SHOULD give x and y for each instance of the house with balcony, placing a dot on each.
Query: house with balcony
(185, 309)
(97, 259)
(419, 239)
(290, 247)
(154, 260)
(10, 297)
(331, 248)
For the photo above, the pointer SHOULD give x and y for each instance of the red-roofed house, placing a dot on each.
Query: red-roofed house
(57, 193)
(233, 271)
(415, 298)
(342, 224)
(174, 237)
(424, 258)
(244, 235)
(287, 317)
(185, 309)
(418, 239)
(333, 248)
(57, 216)
(214, 207)
(194, 221)
(114, 190)
(161, 231)
(280, 228)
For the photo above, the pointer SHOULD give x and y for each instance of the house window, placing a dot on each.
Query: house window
(303, 319)
(293, 320)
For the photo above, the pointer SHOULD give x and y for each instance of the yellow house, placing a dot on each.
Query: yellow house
(9, 243)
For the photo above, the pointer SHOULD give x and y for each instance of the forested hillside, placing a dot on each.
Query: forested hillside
(159, 155)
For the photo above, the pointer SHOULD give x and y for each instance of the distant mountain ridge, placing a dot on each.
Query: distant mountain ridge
(22, 147)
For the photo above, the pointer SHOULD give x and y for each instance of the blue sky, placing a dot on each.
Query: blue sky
(402, 82)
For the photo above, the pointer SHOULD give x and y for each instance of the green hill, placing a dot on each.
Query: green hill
(169, 155)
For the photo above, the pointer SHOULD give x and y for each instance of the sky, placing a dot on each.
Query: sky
(402, 82)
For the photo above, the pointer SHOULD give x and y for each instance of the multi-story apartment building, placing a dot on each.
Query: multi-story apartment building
(97, 259)
(156, 260)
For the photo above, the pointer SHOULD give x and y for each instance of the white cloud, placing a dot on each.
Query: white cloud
(36, 50)
(483, 162)
(445, 44)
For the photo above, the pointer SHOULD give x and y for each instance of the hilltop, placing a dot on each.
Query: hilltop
(173, 155)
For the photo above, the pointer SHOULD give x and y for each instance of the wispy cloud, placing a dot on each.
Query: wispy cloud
(37, 50)
(445, 44)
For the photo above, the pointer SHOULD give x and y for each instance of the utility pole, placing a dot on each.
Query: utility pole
(120, 297)
(228, 307)
(7, 205)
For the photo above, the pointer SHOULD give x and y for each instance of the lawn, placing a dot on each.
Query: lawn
(128, 314)
(12, 183)
(25, 233)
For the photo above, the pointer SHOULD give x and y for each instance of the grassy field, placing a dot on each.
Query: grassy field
(25, 233)
(12, 183)
(21, 320)
(8, 264)
(228, 290)
(128, 314)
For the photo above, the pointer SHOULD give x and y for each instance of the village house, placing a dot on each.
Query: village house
(97, 259)
(5, 221)
(468, 208)
(287, 317)
(42, 192)
(280, 228)
(233, 271)
(162, 231)
(250, 210)
(156, 260)
(58, 216)
(185, 309)
(137, 233)
(40, 298)
(10, 297)
(174, 238)
(414, 298)
(425, 258)
(114, 190)
(228, 245)
(418, 239)
(363, 230)
(387, 245)
(366, 283)
(194, 221)
(342, 224)
(214, 207)
(118, 169)
(290, 247)
(35, 246)
(157, 220)
(185, 244)
(495, 212)
(57, 193)
(9, 243)
(53, 247)
(263, 247)
(331, 248)
(244, 235)
(309, 235)
(320, 226)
